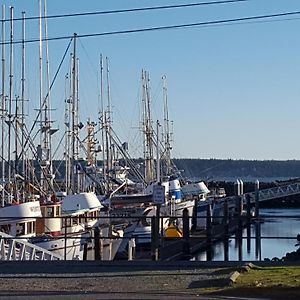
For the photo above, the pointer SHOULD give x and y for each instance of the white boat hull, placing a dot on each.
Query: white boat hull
(71, 248)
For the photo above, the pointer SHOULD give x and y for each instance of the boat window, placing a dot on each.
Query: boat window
(43, 210)
(91, 215)
(75, 221)
(69, 222)
(58, 211)
(50, 211)
(5, 228)
(20, 229)
(30, 227)
(94, 214)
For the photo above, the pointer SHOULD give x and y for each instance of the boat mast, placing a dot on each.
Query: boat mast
(44, 149)
(102, 121)
(40, 68)
(16, 127)
(148, 131)
(22, 106)
(19, 120)
(3, 106)
(10, 101)
(40, 148)
(108, 121)
(74, 127)
(78, 126)
(47, 118)
(68, 135)
(157, 153)
(144, 121)
(167, 137)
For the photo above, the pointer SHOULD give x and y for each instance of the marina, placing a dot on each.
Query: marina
(76, 192)
(225, 238)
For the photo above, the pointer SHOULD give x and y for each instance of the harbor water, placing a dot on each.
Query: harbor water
(278, 232)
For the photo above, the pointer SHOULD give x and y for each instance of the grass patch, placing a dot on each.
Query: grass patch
(270, 277)
(268, 282)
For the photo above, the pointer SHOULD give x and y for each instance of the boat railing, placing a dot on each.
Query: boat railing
(12, 248)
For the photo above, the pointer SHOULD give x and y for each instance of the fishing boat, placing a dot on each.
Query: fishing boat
(19, 219)
(67, 227)
(65, 236)
(85, 207)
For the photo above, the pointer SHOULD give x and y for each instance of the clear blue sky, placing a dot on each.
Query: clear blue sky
(233, 90)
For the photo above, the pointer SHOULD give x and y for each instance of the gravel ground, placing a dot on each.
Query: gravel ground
(109, 281)
(125, 280)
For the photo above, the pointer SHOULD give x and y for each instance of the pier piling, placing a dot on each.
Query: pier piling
(239, 206)
(209, 232)
(240, 240)
(257, 240)
(248, 238)
(131, 249)
(248, 205)
(226, 249)
(226, 218)
(256, 198)
(237, 190)
(97, 243)
(85, 251)
(154, 238)
(194, 217)
(186, 232)
(208, 222)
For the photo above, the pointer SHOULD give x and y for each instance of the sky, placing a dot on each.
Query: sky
(233, 90)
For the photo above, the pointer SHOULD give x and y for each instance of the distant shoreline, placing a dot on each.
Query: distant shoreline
(231, 170)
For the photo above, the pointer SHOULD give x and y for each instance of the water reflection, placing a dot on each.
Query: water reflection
(251, 247)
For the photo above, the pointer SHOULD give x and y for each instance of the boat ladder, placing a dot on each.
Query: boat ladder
(12, 248)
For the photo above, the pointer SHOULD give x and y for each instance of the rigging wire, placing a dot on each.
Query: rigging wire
(45, 99)
(129, 10)
(265, 18)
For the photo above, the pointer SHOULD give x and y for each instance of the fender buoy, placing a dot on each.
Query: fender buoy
(173, 232)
